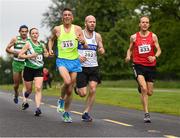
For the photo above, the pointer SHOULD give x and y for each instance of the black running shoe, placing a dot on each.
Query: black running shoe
(25, 106)
(37, 112)
(86, 117)
(15, 99)
(26, 94)
(75, 90)
(147, 118)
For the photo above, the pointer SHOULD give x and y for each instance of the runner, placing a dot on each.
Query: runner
(67, 61)
(33, 53)
(90, 71)
(142, 49)
(14, 47)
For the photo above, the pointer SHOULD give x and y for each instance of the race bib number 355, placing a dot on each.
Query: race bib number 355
(67, 44)
(144, 49)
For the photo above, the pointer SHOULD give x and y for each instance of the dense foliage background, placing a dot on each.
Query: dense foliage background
(116, 21)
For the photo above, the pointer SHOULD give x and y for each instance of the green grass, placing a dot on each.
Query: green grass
(133, 84)
(162, 102)
(124, 94)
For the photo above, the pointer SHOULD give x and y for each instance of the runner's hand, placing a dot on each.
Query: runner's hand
(101, 50)
(80, 40)
(51, 53)
(151, 58)
(46, 54)
(127, 59)
(82, 58)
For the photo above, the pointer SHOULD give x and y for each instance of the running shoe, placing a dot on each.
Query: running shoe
(25, 106)
(37, 112)
(60, 106)
(147, 118)
(86, 117)
(15, 99)
(26, 94)
(66, 117)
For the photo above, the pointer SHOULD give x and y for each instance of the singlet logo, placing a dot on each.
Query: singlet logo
(20, 45)
(67, 44)
(93, 41)
(145, 48)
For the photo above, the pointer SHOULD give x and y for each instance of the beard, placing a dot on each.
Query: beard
(90, 29)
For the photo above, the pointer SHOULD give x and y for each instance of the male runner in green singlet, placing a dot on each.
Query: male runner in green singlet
(68, 62)
(14, 47)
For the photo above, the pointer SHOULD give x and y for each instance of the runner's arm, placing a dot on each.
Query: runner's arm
(158, 49)
(24, 50)
(46, 54)
(80, 36)
(101, 49)
(51, 41)
(129, 51)
(10, 45)
(158, 52)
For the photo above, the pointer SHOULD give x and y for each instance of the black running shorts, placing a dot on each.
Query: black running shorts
(29, 73)
(149, 72)
(87, 74)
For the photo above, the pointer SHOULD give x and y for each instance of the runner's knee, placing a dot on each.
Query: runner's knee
(92, 90)
(82, 93)
(37, 89)
(16, 86)
(144, 90)
(67, 82)
(150, 92)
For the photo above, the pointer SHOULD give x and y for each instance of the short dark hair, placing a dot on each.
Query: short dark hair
(23, 26)
(66, 9)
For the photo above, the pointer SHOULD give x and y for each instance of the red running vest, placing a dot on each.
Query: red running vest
(142, 48)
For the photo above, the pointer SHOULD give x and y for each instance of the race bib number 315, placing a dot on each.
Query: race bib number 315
(144, 49)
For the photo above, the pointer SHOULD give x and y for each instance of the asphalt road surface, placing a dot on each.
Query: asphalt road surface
(108, 121)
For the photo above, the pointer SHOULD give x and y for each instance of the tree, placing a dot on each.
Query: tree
(117, 20)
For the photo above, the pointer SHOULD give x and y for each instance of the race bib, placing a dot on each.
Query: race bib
(67, 44)
(89, 53)
(39, 58)
(144, 49)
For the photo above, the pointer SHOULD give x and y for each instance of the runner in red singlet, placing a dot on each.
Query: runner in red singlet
(144, 49)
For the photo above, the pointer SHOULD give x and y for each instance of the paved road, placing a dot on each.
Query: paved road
(109, 121)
